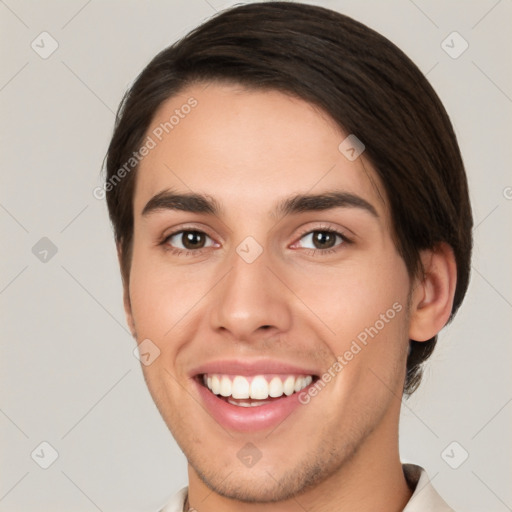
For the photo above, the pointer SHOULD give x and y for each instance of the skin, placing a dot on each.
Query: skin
(249, 150)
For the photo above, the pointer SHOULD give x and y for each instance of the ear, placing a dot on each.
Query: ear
(433, 292)
(126, 296)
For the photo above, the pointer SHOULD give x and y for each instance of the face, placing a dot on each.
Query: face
(265, 273)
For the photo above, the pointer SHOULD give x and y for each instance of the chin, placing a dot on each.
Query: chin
(271, 483)
(249, 487)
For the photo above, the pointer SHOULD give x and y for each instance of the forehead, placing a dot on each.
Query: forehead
(247, 148)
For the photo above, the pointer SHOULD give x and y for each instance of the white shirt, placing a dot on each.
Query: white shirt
(424, 498)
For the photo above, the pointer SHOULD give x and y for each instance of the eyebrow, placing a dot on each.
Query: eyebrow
(186, 202)
(325, 201)
(199, 203)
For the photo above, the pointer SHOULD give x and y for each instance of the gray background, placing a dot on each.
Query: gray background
(68, 375)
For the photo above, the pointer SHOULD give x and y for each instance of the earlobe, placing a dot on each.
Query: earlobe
(433, 292)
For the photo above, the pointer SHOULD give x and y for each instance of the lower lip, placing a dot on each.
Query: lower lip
(249, 419)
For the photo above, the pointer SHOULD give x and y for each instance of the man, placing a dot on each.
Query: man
(293, 228)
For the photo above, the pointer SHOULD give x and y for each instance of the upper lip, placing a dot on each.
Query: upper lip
(250, 367)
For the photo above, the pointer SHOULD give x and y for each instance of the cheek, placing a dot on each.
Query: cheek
(353, 296)
(373, 338)
(364, 305)
(154, 295)
(158, 302)
(165, 301)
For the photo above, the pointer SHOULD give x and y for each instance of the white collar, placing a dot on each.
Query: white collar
(424, 497)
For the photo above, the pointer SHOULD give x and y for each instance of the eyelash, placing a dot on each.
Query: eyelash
(311, 252)
(180, 252)
(330, 250)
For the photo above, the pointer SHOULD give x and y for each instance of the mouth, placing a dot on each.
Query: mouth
(252, 395)
(255, 390)
(241, 397)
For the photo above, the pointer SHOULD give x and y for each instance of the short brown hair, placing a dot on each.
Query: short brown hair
(362, 80)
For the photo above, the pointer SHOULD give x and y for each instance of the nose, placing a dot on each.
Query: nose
(251, 300)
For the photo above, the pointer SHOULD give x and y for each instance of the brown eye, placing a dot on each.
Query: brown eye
(193, 239)
(324, 239)
(321, 239)
(189, 240)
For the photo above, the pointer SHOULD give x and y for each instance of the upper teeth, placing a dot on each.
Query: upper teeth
(258, 387)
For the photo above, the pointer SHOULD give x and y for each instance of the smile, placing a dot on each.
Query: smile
(251, 395)
(254, 391)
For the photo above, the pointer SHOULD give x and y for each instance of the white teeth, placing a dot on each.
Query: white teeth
(256, 388)
(225, 386)
(275, 388)
(248, 404)
(240, 387)
(289, 385)
(215, 387)
(259, 388)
